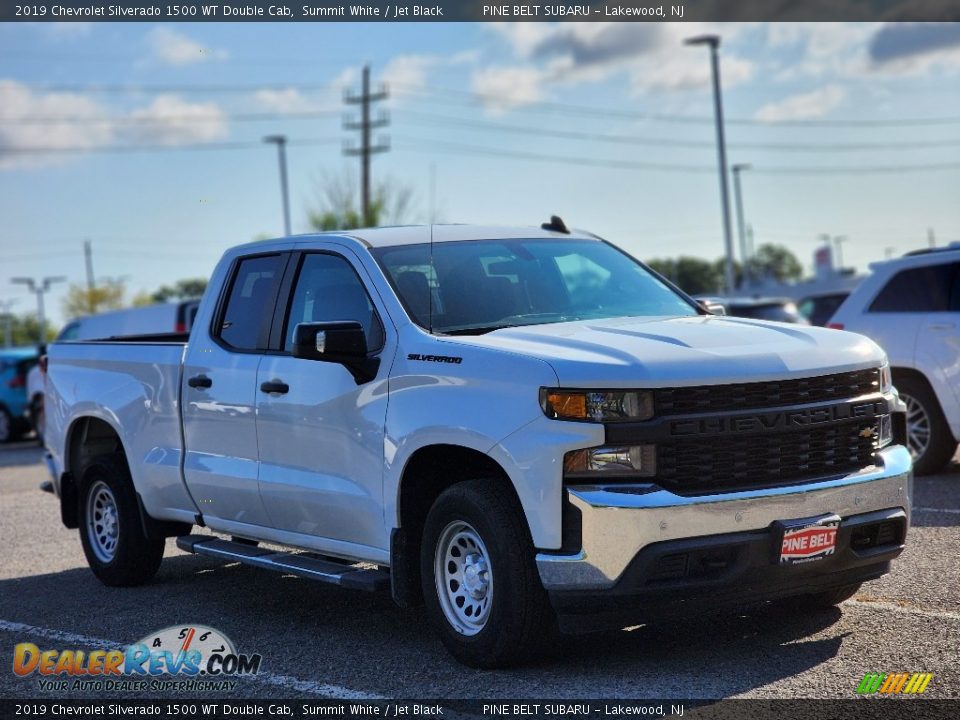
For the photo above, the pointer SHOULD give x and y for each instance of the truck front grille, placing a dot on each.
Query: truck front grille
(756, 395)
(699, 467)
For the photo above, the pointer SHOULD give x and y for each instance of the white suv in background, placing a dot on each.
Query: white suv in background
(910, 306)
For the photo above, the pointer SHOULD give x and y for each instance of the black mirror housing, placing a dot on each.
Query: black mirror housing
(343, 342)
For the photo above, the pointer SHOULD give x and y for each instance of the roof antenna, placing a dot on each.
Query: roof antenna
(556, 224)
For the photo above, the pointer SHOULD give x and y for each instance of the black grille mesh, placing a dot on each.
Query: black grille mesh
(750, 396)
(697, 467)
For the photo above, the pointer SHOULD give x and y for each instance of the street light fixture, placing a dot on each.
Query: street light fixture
(713, 42)
(738, 196)
(39, 288)
(281, 142)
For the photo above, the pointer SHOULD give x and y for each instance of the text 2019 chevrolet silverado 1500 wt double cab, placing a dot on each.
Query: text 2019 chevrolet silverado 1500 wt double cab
(526, 429)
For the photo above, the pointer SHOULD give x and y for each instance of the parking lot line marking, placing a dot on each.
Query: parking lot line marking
(939, 614)
(948, 511)
(334, 692)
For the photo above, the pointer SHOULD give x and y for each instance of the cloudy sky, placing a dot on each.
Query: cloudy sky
(147, 138)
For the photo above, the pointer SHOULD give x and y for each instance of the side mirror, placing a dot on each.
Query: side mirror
(714, 308)
(342, 342)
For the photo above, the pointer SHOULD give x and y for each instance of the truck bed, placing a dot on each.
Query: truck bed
(133, 385)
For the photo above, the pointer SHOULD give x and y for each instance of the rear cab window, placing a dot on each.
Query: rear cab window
(244, 320)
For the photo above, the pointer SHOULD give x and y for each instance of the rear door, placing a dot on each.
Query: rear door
(219, 392)
(321, 439)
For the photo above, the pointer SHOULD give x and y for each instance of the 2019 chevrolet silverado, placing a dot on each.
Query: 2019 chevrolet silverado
(525, 429)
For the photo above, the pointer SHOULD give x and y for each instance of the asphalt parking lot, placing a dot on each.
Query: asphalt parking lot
(319, 641)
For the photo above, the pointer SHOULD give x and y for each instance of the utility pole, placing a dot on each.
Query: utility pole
(5, 306)
(365, 99)
(39, 288)
(281, 142)
(91, 284)
(931, 238)
(713, 42)
(738, 196)
(838, 241)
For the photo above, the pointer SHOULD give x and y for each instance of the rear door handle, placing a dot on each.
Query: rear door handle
(200, 382)
(275, 386)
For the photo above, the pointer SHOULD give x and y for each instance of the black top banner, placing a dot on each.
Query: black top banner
(471, 11)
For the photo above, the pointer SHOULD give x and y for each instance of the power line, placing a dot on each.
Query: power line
(240, 145)
(449, 121)
(634, 165)
(146, 119)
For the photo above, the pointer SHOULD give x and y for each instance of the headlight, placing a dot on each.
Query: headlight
(597, 406)
(886, 379)
(610, 462)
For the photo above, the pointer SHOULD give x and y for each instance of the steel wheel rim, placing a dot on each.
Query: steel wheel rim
(464, 578)
(5, 426)
(103, 521)
(918, 426)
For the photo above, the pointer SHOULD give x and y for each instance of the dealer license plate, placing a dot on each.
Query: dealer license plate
(807, 540)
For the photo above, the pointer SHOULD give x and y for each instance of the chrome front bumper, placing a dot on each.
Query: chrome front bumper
(619, 521)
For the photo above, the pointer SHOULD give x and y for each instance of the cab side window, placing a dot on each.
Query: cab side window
(328, 289)
(923, 289)
(243, 324)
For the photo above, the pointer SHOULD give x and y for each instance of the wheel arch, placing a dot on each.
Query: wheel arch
(429, 471)
(87, 437)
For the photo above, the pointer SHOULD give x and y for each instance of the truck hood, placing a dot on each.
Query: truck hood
(671, 352)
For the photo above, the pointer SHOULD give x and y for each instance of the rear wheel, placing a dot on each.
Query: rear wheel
(118, 549)
(480, 582)
(928, 435)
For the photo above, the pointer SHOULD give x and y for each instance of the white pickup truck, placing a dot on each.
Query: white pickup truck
(523, 428)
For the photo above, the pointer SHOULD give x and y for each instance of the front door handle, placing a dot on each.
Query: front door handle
(200, 382)
(275, 387)
(942, 326)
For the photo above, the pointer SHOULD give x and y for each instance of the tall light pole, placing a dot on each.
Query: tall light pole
(713, 42)
(838, 241)
(281, 142)
(738, 196)
(40, 288)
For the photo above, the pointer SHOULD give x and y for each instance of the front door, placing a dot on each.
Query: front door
(320, 434)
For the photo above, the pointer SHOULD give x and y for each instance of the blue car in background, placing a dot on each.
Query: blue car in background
(15, 363)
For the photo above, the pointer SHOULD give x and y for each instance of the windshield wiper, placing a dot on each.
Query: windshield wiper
(479, 330)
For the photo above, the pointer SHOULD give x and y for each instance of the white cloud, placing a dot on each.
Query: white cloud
(174, 48)
(18, 102)
(170, 120)
(407, 74)
(288, 100)
(816, 103)
(503, 88)
(653, 55)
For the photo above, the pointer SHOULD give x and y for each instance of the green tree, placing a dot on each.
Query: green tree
(81, 300)
(776, 262)
(185, 289)
(24, 329)
(692, 275)
(338, 204)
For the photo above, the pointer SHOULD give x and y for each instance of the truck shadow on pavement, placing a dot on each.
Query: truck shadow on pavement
(364, 642)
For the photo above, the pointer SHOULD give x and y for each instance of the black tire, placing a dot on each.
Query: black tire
(37, 419)
(7, 429)
(519, 623)
(130, 556)
(941, 445)
(825, 599)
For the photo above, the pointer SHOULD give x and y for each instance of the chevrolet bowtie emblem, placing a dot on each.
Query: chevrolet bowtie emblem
(866, 432)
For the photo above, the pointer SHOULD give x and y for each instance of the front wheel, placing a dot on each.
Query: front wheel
(480, 582)
(928, 435)
(118, 549)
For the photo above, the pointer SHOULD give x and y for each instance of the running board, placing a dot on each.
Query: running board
(303, 564)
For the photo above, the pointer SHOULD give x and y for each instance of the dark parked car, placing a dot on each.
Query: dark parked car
(818, 309)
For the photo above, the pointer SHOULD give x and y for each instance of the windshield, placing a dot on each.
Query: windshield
(474, 287)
